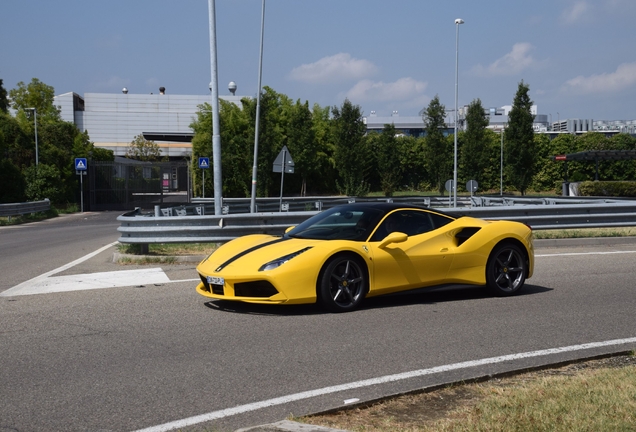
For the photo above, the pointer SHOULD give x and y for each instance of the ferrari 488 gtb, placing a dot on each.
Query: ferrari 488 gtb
(344, 254)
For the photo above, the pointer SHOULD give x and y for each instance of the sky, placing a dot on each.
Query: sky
(577, 56)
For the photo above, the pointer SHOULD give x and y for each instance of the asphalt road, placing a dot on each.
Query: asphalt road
(154, 352)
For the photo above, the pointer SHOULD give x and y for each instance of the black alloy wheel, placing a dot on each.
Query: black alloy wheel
(506, 270)
(343, 284)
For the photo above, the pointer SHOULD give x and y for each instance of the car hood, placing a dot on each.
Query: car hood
(249, 253)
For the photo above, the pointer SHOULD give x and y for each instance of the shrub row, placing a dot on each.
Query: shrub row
(608, 188)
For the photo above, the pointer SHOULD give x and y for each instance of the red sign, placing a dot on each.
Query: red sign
(561, 157)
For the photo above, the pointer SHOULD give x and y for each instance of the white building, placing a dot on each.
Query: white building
(113, 120)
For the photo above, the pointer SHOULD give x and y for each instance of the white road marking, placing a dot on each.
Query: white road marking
(57, 270)
(45, 283)
(90, 281)
(583, 253)
(215, 415)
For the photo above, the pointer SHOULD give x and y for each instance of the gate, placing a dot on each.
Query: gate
(126, 184)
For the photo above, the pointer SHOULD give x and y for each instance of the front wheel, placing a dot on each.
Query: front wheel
(343, 284)
(506, 270)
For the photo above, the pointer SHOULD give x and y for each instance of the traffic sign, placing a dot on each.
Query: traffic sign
(284, 159)
(472, 185)
(204, 162)
(80, 164)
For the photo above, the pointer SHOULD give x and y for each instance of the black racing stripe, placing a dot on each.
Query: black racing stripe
(245, 252)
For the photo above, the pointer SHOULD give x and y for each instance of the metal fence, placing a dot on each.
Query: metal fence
(126, 184)
(189, 225)
(16, 209)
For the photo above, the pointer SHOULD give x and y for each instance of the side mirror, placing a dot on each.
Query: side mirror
(394, 237)
(289, 229)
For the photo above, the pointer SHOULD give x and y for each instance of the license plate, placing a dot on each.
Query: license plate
(215, 280)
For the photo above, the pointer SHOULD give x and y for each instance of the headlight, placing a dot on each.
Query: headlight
(282, 260)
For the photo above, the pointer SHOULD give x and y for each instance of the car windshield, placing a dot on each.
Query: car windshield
(339, 223)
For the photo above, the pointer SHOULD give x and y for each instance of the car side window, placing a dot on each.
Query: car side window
(410, 222)
(439, 220)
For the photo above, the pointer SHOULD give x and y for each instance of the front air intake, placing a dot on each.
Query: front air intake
(262, 289)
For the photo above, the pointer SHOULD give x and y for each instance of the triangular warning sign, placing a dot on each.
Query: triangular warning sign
(80, 164)
(204, 163)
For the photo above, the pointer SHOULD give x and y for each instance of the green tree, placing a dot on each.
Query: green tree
(302, 143)
(388, 156)
(412, 161)
(144, 150)
(36, 95)
(324, 180)
(519, 149)
(351, 156)
(43, 181)
(475, 149)
(438, 154)
(12, 181)
(271, 137)
(15, 144)
(4, 102)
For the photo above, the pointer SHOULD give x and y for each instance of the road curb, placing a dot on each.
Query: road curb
(583, 241)
(289, 426)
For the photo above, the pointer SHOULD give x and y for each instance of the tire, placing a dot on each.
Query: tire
(506, 270)
(343, 284)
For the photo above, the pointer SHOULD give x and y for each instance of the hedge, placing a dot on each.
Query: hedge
(608, 188)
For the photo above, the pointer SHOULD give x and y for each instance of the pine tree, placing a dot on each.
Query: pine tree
(519, 147)
(438, 155)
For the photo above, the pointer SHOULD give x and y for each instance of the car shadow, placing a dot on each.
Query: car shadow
(431, 296)
(447, 294)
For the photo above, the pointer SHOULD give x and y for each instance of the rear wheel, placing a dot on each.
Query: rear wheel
(343, 284)
(506, 270)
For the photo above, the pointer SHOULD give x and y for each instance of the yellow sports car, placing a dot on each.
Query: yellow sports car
(344, 254)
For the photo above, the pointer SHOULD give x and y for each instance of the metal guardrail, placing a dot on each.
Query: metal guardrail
(189, 227)
(264, 205)
(16, 209)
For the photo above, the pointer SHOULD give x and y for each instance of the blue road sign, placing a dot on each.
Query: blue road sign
(80, 164)
(204, 162)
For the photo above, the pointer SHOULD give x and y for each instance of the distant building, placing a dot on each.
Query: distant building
(414, 125)
(113, 120)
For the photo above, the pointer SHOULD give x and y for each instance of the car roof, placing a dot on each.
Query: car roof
(387, 207)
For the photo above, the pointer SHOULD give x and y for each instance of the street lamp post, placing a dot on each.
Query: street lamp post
(216, 132)
(458, 21)
(35, 111)
(503, 128)
(258, 113)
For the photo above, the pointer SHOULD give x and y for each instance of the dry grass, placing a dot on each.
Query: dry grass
(585, 232)
(170, 249)
(598, 395)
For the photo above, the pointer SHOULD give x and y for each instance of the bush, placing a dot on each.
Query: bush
(608, 188)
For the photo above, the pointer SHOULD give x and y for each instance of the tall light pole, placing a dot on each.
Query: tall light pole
(35, 111)
(503, 128)
(458, 21)
(216, 137)
(258, 114)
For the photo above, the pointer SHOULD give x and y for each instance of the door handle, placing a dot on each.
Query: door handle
(444, 249)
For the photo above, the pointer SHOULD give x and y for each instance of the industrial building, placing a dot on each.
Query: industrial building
(114, 119)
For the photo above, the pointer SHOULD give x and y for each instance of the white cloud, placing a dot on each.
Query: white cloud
(576, 12)
(512, 63)
(623, 78)
(339, 67)
(402, 89)
(405, 92)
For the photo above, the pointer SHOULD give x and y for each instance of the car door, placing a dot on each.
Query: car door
(422, 259)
